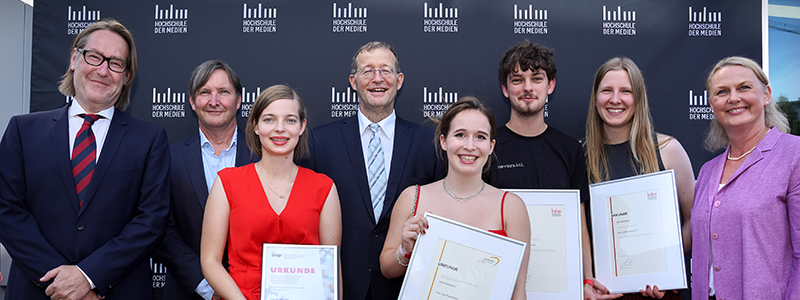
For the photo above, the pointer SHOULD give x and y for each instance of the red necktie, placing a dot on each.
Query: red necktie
(84, 153)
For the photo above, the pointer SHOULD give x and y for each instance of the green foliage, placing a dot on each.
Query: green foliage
(789, 108)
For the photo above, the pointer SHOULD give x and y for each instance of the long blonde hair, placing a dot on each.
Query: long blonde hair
(642, 146)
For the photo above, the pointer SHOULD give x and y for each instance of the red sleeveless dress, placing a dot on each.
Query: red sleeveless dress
(502, 218)
(253, 221)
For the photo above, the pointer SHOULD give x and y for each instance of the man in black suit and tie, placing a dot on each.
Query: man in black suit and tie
(83, 188)
(215, 96)
(372, 157)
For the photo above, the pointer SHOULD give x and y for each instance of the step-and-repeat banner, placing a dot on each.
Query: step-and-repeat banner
(447, 49)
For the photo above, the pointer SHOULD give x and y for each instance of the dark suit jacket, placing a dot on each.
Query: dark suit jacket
(180, 249)
(336, 152)
(110, 236)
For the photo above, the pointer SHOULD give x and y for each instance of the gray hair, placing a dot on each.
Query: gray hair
(371, 46)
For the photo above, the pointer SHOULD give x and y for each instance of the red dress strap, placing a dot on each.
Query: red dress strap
(502, 217)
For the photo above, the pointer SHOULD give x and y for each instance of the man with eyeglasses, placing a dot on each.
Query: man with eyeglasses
(372, 157)
(84, 189)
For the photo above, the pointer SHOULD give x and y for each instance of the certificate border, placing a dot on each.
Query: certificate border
(571, 200)
(675, 276)
(335, 248)
(470, 236)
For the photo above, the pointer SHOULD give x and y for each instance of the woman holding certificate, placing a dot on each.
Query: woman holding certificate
(270, 201)
(466, 136)
(621, 142)
(746, 216)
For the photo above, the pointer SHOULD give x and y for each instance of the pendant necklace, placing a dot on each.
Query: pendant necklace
(288, 189)
(461, 199)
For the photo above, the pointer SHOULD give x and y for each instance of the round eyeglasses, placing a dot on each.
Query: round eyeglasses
(95, 59)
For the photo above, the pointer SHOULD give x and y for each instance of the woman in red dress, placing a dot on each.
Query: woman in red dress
(270, 201)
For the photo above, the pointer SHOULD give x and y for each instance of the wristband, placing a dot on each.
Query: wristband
(401, 261)
(403, 253)
(589, 282)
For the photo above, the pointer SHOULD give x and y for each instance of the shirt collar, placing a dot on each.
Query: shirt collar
(387, 124)
(76, 109)
(205, 143)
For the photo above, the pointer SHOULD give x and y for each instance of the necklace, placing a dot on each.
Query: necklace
(746, 153)
(461, 199)
(288, 189)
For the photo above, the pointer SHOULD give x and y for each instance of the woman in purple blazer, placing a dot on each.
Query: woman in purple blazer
(746, 213)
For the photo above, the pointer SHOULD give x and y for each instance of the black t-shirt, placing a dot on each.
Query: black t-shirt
(551, 160)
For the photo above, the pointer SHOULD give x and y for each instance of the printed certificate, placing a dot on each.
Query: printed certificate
(637, 233)
(555, 268)
(457, 261)
(299, 272)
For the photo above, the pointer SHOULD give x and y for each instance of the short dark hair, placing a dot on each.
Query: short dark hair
(203, 72)
(267, 97)
(528, 56)
(67, 87)
(463, 103)
(371, 46)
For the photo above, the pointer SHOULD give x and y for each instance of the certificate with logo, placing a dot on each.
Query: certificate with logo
(637, 233)
(457, 261)
(555, 268)
(299, 272)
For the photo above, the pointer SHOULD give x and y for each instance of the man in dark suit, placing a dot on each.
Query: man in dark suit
(83, 189)
(372, 157)
(215, 96)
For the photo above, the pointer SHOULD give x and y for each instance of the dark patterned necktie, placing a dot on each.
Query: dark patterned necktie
(84, 153)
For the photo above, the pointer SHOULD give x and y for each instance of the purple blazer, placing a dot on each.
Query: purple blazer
(752, 224)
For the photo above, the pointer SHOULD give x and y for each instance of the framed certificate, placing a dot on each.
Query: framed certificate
(457, 261)
(555, 268)
(291, 272)
(637, 233)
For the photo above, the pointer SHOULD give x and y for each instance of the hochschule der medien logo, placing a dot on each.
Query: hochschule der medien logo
(529, 21)
(349, 19)
(171, 20)
(705, 23)
(168, 104)
(435, 102)
(248, 98)
(343, 103)
(80, 18)
(698, 106)
(259, 19)
(619, 22)
(440, 19)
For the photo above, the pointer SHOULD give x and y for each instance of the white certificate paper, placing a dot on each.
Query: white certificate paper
(299, 272)
(637, 234)
(457, 261)
(555, 268)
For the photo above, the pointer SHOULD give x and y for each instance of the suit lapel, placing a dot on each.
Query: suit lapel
(352, 141)
(59, 131)
(116, 133)
(194, 168)
(402, 142)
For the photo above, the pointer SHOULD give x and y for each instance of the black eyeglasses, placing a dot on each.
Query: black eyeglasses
(95, 59)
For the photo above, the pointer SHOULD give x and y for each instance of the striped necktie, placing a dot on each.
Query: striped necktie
(84, 153)
(376, 171)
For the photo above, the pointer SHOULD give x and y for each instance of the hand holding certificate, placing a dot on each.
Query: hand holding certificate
(637, 234)
(457, 261)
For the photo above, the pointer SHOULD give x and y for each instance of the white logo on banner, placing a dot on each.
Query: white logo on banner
(172, 20)
(705, 23)
(619, 22)
(441, 19)
(698, 106)
(530, 21)
(436, 102)
(168, 104)
(349, 19)
(259, 19)
(159, 274)
(77, 20)
(343, 104)
(248, 98)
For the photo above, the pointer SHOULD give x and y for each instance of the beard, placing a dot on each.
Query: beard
(526, 110)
